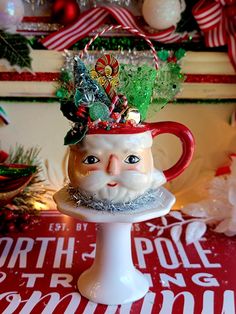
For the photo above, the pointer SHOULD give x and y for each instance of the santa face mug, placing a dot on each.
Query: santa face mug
(115, 184)
(118, 167)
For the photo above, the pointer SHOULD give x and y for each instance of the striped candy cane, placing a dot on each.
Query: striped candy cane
(134, 31)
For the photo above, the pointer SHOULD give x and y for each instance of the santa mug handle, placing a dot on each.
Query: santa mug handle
(186, 138)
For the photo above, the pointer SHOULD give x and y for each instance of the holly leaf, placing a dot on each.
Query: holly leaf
(69, 110)
(15, 51)
(163, 55)
(74, 136)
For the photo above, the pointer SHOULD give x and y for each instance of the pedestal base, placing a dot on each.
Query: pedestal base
(113, 279)
(131, 287)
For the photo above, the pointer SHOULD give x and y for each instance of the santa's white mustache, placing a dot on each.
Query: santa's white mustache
(132, 180)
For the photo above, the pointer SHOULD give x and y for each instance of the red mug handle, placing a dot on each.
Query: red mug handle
(187, 139)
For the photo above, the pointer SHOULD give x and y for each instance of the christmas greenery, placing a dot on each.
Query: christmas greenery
(14, 50)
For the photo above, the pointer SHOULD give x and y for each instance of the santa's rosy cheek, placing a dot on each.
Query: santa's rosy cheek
(133, 168)
(93, 168)
(85, 170)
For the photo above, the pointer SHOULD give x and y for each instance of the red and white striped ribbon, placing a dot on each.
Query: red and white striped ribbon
(218, 26)
(91, 19)
(129, 29)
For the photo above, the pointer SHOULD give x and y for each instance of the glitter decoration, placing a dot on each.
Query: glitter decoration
(162, 14)
(38, 27)
(99, 111)
(95, 3)
(12, 171)
(168, 83)
(137, 84)
(35, 3)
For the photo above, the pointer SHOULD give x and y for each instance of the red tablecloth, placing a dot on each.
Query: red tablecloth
(39, 270)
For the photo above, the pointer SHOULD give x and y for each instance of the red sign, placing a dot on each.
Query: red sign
(40, 268)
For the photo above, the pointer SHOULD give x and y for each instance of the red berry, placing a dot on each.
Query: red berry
(11, 227)
(9, 215)
(25, 216)
(103, 124)
(115, 116)
(172, 59)
(131, 122)
(24, 227)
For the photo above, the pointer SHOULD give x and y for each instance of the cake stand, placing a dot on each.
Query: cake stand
(113, 279)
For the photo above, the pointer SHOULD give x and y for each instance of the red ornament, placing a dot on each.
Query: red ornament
(3, 156)
(65, 11)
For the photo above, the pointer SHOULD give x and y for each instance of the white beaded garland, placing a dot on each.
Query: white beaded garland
(11, 13)
(162, 14)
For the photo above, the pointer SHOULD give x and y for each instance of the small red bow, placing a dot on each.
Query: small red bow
(217, 20)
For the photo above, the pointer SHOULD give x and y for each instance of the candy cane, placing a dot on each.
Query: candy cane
(129, 29)
(115, 99)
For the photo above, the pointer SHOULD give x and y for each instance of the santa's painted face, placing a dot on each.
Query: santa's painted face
(114, 167)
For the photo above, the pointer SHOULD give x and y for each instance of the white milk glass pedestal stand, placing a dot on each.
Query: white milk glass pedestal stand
(113, 279)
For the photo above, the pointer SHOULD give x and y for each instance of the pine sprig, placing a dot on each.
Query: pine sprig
(30, 157)
(20, 155)
(15, 50)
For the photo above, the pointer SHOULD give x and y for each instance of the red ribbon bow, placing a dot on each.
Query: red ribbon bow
(217, 19)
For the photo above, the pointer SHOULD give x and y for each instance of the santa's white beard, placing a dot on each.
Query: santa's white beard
(131, 184)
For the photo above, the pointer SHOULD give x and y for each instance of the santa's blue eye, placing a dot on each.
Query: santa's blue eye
(132, 159)
(91, 160)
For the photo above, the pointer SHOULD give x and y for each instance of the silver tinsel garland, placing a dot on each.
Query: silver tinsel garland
(83, 199)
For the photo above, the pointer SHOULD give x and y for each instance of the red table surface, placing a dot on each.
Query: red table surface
(39, 269)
